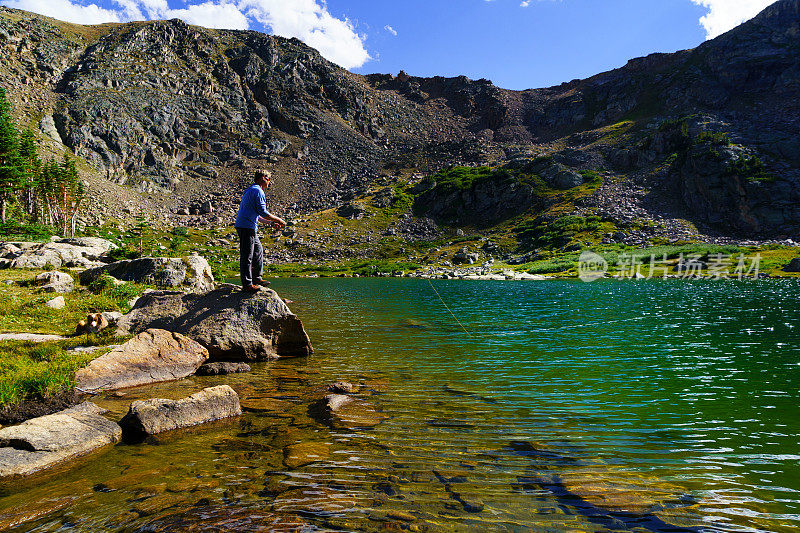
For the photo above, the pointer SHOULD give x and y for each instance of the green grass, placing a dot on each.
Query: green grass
(557, 233)
(30, 370)
(23, 309)
(553, 265)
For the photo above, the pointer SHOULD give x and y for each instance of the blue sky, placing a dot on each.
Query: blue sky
(517, 44)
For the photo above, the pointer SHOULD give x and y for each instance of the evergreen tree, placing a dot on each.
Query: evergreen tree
(30, 167)
(10, 175)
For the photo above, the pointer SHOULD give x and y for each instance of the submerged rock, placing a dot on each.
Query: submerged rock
(297, 455)
(150, 417)
(151, 356)
(342, 411)
(224, 367)
(316, 500)
(233, 325)
(192, 272)
(341, 387)
(44, 441)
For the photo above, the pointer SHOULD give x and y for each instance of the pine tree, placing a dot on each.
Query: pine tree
(10, 175)
(48, 180)
(30, 167)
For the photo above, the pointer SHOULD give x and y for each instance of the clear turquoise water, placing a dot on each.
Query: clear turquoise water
(559, 406)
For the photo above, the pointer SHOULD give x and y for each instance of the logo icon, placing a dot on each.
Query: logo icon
(591, 266)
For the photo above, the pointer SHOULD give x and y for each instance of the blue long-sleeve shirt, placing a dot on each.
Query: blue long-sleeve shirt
(253, 205)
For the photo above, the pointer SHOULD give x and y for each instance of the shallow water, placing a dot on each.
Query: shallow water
(559, 406)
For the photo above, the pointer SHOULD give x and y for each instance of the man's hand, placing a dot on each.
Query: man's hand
(275, 222)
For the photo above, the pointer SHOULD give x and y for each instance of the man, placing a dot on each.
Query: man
(252, 210)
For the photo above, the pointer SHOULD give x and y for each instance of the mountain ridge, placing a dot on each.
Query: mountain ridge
(167, 114)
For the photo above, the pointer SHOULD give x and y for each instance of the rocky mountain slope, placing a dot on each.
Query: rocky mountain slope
(169, 118)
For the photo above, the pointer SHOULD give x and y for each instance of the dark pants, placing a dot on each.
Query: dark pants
(251, 256)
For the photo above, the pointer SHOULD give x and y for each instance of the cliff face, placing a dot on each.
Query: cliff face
(179, 111)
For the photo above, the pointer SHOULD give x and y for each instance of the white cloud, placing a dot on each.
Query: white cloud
(525, 3)
(390, 30)
(211, 15)
(724, 15)
(66, 11)
(308, 20)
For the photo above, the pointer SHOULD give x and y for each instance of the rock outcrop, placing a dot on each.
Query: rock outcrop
(45, 441)
(55, 281)
(151, 356)
(150, 417)
(81, 252)
(191, 272)
(233, 325)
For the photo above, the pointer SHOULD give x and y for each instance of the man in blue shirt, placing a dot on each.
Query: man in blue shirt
(252, 210)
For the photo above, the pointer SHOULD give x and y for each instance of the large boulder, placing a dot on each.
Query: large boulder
(82, 252)
(793, 265)
(55, 281)
(353, 211)
(192, 272)
(232, 324)
(44, 441)
(149, 417)
(151, 356)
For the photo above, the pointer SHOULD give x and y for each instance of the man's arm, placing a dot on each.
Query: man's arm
(265, 217)
(272, 219)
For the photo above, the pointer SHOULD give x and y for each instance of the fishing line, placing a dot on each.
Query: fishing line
(445, 305)
(591, 324)
(540, 330)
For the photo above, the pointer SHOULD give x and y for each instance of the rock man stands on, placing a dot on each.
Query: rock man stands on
(252, 210)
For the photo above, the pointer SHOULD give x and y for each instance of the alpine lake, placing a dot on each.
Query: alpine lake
(661, 406)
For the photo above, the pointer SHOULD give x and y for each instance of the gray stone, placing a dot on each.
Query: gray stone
(48, 127)
(81, 252)
(31, 337)
(232, 324)
(47, 440)
(464, 256)
(384, 197)
(55, 281)
(223, 367)
(150, 417)
(56, 303)
(151, 356)
(192, 272)
(353, 211)
(793, 265)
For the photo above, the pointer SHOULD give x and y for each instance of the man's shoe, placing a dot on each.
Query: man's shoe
(251, 288)
(261, 282)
